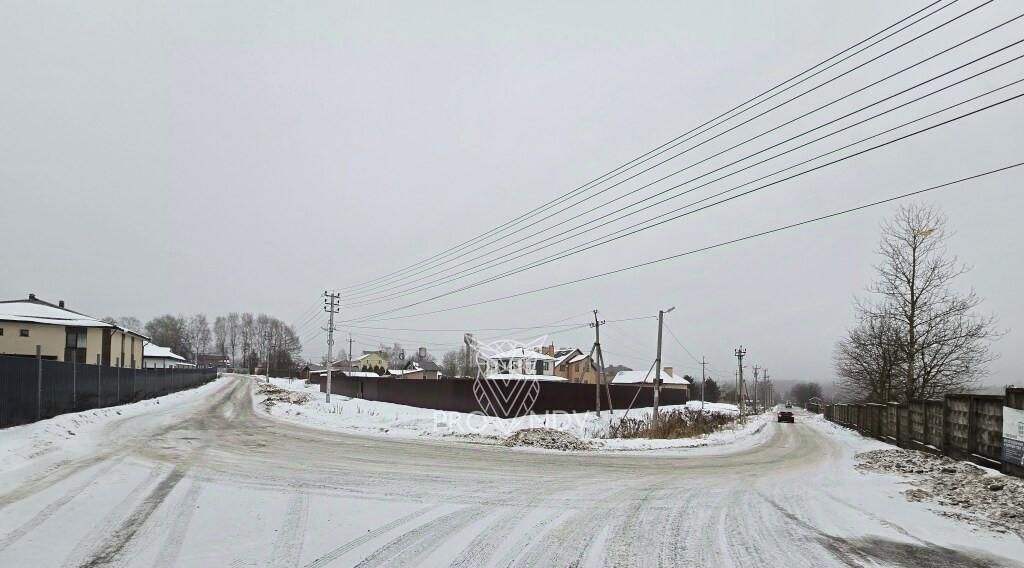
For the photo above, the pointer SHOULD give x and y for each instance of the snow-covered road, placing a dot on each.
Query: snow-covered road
(205, 480)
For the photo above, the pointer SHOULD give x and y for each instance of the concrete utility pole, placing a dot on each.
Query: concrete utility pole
(331, 307)
(657, 366)
(740, 353)
(597, 357)
(703, 381)
(767, 388)
(756, 369)
(350, 352)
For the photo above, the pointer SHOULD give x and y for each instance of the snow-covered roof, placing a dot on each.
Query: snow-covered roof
(522, 377)
(361, 374)
(36, 311)
(521, 353)
(365, 355)
(633, 377)
(579, 358)
(153, 351)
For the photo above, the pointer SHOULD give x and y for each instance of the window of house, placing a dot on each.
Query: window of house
(1, 331)
(23, 333)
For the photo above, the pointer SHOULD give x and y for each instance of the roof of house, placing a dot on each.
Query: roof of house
(580, 357)
(365, 355)
(521, 353)
(34, 310)
(633, 377)
(153, 351)
(522, 377)
(422, 366)
(564, 355)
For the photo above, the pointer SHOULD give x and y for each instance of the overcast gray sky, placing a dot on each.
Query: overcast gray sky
(226, 156)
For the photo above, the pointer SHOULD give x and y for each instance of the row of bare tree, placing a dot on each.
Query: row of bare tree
(917, 335)
(244, 338)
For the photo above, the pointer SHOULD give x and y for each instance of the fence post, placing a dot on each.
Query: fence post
(972, 425)
(924, 421)
(135, 375)
(99, 382)
(74, 384)
(118, 390)
(39, 382)
(945, 424)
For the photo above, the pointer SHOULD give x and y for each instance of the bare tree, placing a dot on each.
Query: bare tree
(451, 362)
(198, 335)
(234, 327)
(921, 338)
(220, 334)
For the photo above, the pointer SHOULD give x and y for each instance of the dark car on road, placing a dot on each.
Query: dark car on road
(786, 417)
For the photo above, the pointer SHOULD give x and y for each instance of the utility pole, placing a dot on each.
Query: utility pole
(756, 369)
(350, 352)
(268, 355)
(331, 307)
(703, 381)
(739, 377)
(767, 388)
(597, 358)
(657, 366)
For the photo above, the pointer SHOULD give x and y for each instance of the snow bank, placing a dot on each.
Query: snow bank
(79, 432)
(395, 420)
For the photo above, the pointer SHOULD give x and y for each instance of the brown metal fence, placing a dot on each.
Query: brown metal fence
(464, 395)
(32, 388)
(962, 426)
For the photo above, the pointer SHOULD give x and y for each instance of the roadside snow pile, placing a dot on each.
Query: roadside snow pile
(274, 395)
(980, 497)
(547, 438)
(395, 420)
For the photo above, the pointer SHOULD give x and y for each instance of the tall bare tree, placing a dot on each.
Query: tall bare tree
(921, 337)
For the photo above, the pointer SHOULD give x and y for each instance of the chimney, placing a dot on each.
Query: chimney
(31, 296)
(667, 371)
(60, 303)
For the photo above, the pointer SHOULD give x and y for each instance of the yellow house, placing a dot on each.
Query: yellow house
(65, 335)
(370, 360)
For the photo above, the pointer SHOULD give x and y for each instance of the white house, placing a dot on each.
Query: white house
(520, 361)
(156, 357)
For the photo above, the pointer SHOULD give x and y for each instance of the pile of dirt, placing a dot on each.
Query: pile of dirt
(968, 492)
(547, 438)
(273, 395)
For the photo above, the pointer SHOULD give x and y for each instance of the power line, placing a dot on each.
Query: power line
(555, 213)
(672, 143)
(716, 245)
(724, 200)
(599, 223)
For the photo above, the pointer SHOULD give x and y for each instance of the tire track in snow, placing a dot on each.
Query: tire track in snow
(483, 546)
(409, 548)
(51, 509)
(80, 553)
(567, 543)
(171, 548)
(110, 550)
(288, 544)
(369, 536)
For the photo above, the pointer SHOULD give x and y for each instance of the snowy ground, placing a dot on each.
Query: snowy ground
(381, 418)
(205, 479)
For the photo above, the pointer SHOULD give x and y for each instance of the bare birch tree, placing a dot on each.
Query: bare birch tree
(922, 337)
